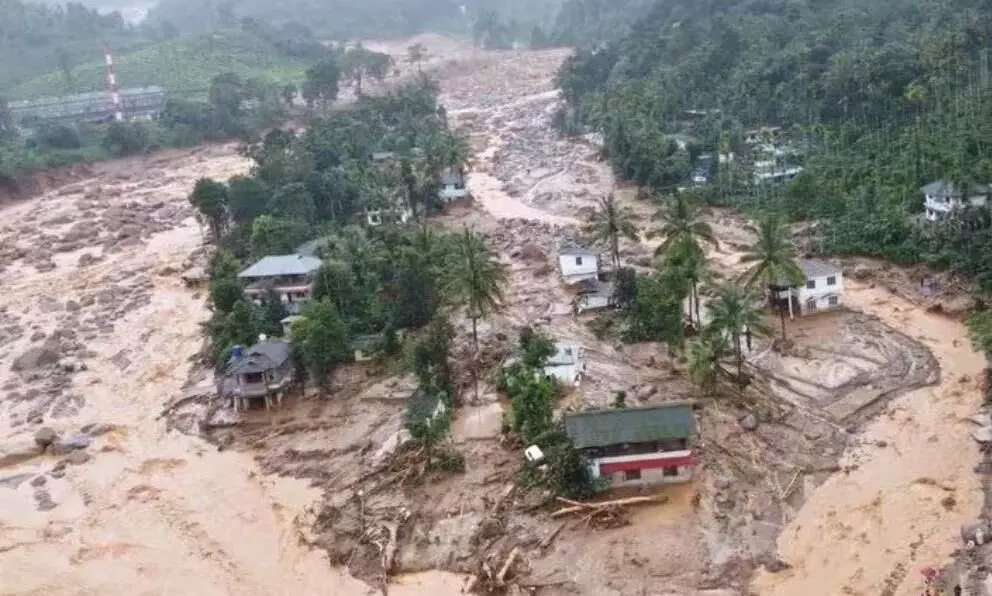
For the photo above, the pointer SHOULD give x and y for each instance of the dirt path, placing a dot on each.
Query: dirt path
(899, 509)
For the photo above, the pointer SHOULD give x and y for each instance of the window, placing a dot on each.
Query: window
(632, 475)
(810, 284)
(811, 304)
(833, 301)
(669, 471)
(832, 280)
(578, 260)
(253, 378)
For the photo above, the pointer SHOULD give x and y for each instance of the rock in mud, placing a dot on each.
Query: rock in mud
(975, 533)
(78, 458)
(776, 565)
(749, 421)
(45, 437)
(35, 358)
(39, 481)
(982, 435)
(74, 443)
(43, 501)
(862, 271)
(96, 429)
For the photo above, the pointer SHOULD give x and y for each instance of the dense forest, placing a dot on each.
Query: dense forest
(868, 101)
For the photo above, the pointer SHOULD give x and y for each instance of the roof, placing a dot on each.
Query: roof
(565, 354)
(571, 250)
(383, 155)
(600, 428)
(292, 319)
(420, 406)
(366, 342)
(274, 266)
(263, 356)
(943, 188)
(451, 176)
(814, 268)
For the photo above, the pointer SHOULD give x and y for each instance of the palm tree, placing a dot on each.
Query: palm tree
(686, 261)
(608, 223)
(732, 313)
(773, 260)
(705, 354)
(682, 224)
(476, 279)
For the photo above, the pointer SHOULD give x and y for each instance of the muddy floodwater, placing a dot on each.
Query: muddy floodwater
(97, 331)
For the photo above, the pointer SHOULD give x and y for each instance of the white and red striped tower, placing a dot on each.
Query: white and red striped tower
(115, 96)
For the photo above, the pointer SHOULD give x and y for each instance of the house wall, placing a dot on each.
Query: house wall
(645, 469)
(936, 207)
(822, 296)
(567, 374)
(293, 294)
(592, 302)
(575, 268)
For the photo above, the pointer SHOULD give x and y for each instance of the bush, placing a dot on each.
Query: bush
(127, 138)
(57, 136)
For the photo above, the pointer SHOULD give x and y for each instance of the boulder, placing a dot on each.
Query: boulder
(38, 357)
(45, 437)
(749, 421)
(78, 458)
(74, 443)
(975, 533)
(13, 454)
(982, 435)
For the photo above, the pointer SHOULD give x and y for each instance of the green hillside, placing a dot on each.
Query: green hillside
(184, 64)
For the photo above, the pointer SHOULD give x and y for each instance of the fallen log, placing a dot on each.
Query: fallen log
(550, 537)
(577, 506)
(501, 576)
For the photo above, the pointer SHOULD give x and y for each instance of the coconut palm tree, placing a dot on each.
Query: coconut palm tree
(705, 354)
(608, 223)
(475, 279)
(687, 262)
(773, 259)
(682, 223)
(733, 313)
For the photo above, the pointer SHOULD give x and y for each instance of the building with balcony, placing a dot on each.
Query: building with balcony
(290, 277)
(941, 198)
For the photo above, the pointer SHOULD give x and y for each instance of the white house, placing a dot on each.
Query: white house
(822, 290)
(636, 446)
(775, 175)
(400, 214)
(578, 264)
(940, 198)
(453, 185)
(566, 364)
(594, 295)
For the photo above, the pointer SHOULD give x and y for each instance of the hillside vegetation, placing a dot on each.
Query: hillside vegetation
(347, 19)
(37, 38)
(183, 64)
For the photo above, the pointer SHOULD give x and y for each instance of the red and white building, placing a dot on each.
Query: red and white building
(636, 446)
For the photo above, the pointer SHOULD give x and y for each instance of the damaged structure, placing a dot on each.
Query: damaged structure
(261, 373)
(577, 264)
(636, 446)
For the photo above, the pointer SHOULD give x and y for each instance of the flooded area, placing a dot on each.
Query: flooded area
(97, 333)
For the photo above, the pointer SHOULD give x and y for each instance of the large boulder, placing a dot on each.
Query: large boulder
(45, 437)
(37, 357)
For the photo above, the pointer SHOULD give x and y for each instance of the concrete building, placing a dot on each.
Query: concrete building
(289, 276)
(941, 198)
(823, 289)
(578, 264)
(593, 295)
(453, 185)
(636, 446)
(263, 373)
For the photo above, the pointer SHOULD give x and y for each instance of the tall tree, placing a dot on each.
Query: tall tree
(773, 260)
(733, 315)
(321, 82)
(209, 197)
(475, 278)
(682, 224)
(608, 223)
(415, 54)
(323, 339)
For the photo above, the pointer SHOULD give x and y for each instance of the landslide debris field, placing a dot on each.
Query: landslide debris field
(847, 465)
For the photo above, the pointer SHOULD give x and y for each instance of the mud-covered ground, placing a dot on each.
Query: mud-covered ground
(845, 467)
